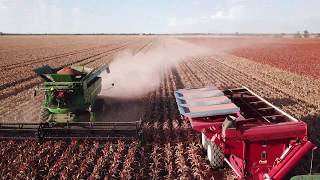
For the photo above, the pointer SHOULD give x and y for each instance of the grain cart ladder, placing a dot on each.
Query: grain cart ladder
(244, 131)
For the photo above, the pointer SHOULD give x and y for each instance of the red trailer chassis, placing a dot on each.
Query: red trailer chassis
(257, 139)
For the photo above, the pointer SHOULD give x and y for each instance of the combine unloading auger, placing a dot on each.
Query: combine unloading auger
(244, 131)
(71, 108)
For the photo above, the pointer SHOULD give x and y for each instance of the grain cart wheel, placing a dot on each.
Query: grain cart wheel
(215, 155)
(204, 141)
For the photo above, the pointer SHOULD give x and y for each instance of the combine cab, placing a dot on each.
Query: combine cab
(71, 108)
(246, 132)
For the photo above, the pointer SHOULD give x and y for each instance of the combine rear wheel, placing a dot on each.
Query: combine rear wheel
(98, 109)
(44, 115)
(215, 155)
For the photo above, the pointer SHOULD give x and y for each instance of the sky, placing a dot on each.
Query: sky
(159, 16)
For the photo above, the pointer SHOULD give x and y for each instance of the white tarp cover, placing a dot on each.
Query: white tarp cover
(204, 102)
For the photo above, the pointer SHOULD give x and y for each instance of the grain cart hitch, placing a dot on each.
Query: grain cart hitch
(244, 131)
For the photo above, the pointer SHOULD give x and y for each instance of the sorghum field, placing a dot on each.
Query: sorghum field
(282, 70)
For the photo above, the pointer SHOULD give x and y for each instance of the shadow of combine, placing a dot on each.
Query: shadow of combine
(122, 109)
(173, 136)
(284, 101)
(178, 80)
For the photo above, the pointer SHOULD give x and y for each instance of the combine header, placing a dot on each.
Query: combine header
(246, 132)
(71, 108)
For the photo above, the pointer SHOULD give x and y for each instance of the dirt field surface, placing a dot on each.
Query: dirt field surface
(171, 149)
(299, 56)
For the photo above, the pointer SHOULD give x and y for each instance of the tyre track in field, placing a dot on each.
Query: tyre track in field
(145, 47)
(188, 77)
(49, 58)
(75, 51)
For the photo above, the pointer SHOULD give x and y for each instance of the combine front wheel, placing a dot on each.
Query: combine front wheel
(41, 133)
(98, 109)
(215, 155)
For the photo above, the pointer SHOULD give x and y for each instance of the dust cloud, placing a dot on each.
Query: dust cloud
(135, 75)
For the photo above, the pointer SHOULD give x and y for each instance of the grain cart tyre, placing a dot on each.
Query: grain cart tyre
(44, 115)
(215, 155)
(204, 141)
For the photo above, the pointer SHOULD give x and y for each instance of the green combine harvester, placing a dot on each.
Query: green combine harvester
(71, 94)
(71, 108)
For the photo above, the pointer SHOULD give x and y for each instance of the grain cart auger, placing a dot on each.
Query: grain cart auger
(71, 108)
(244, 131)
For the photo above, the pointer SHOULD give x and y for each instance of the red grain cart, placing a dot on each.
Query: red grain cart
(241, 129)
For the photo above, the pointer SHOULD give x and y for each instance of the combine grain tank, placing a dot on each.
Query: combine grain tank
(244, 131)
